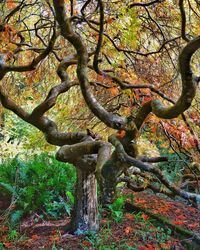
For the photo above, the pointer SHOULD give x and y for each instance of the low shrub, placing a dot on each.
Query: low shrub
(40, 184)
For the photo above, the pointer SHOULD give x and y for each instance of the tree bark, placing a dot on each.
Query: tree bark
(85, 213)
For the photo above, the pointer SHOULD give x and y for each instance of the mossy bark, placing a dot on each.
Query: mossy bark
(85, 212)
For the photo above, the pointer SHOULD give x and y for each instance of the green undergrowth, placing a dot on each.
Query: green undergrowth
(41, 184)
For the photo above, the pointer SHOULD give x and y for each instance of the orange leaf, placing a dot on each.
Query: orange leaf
(140, 201)
(194, 225)
(11, 4)
(129, 216)
(54, 238)
(128, 230)
(121, 133)
(35, 237)
(114, 91)
(110, 20)
(103, 221)
(191, 209)
(154, 129)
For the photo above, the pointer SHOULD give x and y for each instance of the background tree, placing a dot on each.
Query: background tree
(132, 67)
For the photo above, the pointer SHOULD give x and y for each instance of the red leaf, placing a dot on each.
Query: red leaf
(145, 217)
(8, 245)
(86, 243)
(181, 217)
(178, 222)
(150, 247)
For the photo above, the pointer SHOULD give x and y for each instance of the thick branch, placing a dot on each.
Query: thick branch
(74, 152)
(109, 119)
(48, 127)
(11, 105)
(144, 4)
(125, 158)
(183, 20)
(100, 38)
(189, 85)
(135, 188)
(50, 100)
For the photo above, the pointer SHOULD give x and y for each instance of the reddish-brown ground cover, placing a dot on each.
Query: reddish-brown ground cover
(134, 231)
(177, 212)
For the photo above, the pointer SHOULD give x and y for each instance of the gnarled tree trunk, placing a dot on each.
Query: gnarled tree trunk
(85, 212)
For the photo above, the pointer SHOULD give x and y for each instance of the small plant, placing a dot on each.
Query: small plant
(100, 241)
(12, 235)
(163, 235)
(116, 209)
(1, 246)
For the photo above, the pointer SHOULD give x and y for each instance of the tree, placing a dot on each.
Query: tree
(105, 48)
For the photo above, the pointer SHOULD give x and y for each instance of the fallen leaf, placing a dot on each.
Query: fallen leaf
(193, 225)
(129, 216)
(181, 217)
(103, 221)
(35, 237)
(86, 243)
(128, 230)
(149, 247)
(178, 222)
(145, 217)
(8, 244)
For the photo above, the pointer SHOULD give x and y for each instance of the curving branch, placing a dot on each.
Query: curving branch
(189, 85)
(12, 13)
(109, 119)
(159, 50)
(100, 150)
(63, 87)
(11, 105)
(100, 37)
(44, 124)
(183, 21)
(145, 4)
(131, 185)
(125, 158)
(7, 68)
(50, 100)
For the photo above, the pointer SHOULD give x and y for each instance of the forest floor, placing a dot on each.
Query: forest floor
(134, 230)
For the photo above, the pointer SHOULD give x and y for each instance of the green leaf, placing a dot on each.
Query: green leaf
(70, 196)
(16, 216)
(8, 187)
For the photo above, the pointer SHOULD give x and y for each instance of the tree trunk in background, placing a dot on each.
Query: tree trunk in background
(85, 213)
(108, 182)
